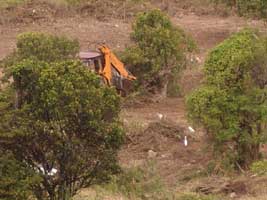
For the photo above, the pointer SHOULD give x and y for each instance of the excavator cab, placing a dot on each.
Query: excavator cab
(107, 65)
(92, 60)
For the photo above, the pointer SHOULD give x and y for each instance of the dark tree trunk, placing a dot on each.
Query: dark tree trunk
(249, 152)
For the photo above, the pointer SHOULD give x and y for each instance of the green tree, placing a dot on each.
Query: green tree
(41, 47)
(65, 127)
(45, 47)
(159, 50)
(231, 105)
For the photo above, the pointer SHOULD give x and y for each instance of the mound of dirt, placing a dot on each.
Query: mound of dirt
(165, 129)
(163, 142)
(157, 137)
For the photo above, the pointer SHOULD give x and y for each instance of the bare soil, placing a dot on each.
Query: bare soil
(164, 137)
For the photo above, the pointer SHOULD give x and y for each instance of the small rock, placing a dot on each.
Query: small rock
(116, 25)
(147, 196)
(198, 59)
(152, 154)
(164, 156)
(160, 116)
(191, 129)
(233, 195)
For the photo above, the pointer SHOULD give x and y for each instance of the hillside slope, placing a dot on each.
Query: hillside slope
(178, 166)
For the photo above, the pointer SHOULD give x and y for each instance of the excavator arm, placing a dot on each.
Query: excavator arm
(112, 61)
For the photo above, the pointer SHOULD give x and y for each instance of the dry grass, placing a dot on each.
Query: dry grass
(9, 3)
(134, 183)
(97, 194)
(263, 197)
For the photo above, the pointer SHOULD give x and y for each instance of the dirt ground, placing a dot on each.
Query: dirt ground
(181, 167)
(161, 140)
(163, 137)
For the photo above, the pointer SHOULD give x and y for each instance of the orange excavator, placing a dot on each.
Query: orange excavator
(109, 67)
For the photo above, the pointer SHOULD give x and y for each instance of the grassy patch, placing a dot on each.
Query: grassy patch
(191, 174)
(133, 183)
(66, 2)
(140, 183)
(11, 3)
(194, 196)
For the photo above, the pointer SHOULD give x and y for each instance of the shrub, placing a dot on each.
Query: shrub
(254, 8)
(159, 50)
(232, 104)
(259, 167)
(248, 8)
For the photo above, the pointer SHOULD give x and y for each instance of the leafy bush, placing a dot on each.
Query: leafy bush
(159, 50)
(41, 47)
(15, 179)
(58, 116)
(45, 47)
(259, 167)
(232, 104)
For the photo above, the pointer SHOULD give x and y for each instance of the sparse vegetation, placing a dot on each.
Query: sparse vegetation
(248, 8)
(254, 8)
(140, 183)
(10, 3)
(259, 167)
(134, 183)
(196, 197)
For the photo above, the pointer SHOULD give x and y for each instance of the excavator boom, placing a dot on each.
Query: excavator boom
(106, 64)
(112, 61)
